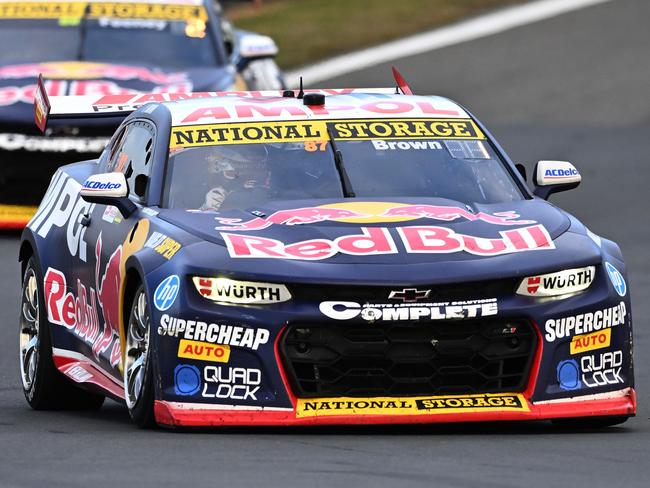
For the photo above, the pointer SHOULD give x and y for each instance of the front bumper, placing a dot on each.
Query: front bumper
(606, 387)
(177, 414)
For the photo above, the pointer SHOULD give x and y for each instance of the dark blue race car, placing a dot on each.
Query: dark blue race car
(102, 47)
(334, 257)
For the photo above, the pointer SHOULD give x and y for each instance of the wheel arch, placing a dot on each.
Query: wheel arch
(27, 249)
(134, 276)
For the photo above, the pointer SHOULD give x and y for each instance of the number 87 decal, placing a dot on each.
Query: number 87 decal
(313, 146)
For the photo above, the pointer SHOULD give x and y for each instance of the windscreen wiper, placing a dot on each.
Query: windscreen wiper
(338, 160)
(82, 36)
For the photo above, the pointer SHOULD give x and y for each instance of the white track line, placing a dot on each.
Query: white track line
(468, 30)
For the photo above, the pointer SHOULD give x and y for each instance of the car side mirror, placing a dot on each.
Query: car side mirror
(553, 177)
(253, 46)
(109, 189)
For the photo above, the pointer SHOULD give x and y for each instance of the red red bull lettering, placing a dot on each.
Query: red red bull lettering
(78, 313)
(378, 240)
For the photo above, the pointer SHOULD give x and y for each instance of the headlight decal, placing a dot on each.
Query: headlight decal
(225, 290)
(565, 282)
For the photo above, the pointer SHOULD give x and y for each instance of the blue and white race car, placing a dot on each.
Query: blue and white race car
(330, 257)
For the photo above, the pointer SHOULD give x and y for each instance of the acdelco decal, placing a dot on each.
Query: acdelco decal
(226, 335)
(208, 135)
(203, 351)
(383, 312)
(377, 240)
(409, 129)
(502, 402)
(585, 323)
(590, 342)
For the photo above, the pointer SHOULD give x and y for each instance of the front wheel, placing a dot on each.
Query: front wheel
(138, 377)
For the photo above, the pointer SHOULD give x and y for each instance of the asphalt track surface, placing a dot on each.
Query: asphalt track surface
(574, 87)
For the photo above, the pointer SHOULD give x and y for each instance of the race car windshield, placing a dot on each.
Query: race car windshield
(242, 176)
(167, 44)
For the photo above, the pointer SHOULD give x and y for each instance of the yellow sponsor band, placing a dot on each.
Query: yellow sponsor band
(498, 402)
(316, 131)
(60, 10)
(591, 342)
(203, 351)
(407, 129)
(219, 134)
(157, 11)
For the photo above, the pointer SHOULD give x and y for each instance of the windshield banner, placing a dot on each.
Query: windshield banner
(317, 131)
(97, 10)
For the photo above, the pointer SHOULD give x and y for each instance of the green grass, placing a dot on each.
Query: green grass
(309, 30)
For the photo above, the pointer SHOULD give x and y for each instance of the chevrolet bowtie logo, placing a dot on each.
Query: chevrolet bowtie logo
(409, 295)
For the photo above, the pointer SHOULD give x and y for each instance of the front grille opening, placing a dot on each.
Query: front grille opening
(456, 357)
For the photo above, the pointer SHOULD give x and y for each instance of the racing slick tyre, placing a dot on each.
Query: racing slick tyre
(44, 386)
(263, 74)
(589, 422)
(138, 377)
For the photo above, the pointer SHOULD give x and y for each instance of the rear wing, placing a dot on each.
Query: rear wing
(96, 106)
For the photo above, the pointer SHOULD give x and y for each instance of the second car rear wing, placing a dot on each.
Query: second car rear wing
(120, 105)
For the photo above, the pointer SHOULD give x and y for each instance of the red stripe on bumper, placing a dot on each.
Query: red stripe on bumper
(168, 413)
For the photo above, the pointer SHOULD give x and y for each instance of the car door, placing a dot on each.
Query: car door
(113, 238)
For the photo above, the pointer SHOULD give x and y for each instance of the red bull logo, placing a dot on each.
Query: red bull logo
(368, 212)
(378, 240)
(92, 79)
(80, 313)
(77, 70)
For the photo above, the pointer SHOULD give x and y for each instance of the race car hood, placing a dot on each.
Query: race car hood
(425, 237)
(18, 83)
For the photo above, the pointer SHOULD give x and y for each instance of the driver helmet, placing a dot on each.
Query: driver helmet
(241, 163)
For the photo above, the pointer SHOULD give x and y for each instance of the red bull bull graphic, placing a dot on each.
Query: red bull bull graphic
(306, 215)
(378, 240)
(347, 213)
(108, 296)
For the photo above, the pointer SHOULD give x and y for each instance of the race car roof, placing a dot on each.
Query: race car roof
(357, 104)
(224, 107)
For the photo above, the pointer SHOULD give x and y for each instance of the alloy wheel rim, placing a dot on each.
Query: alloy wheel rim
(137, 346)
(29, 338)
